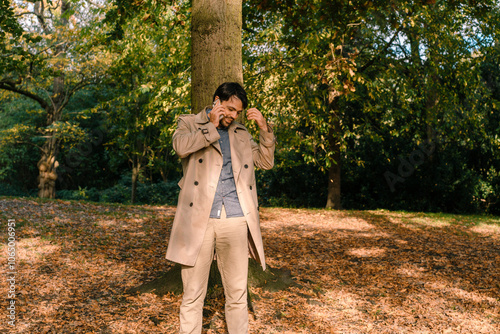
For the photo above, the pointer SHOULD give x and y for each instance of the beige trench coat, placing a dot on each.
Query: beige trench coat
(196, 141)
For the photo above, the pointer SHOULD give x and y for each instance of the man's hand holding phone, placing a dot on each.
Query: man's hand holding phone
(217, 113)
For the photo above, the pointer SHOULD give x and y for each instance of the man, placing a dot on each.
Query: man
(217, 208)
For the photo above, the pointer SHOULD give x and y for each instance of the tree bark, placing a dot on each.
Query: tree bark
(334, 172)
(47, 165)
(135, 176)
(216, 50)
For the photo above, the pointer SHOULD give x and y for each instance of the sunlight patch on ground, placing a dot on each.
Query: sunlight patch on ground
(408, 219)
(353, 224)
(399, 221)
(450, 315)
(106, 223)
(338, 223)
(342, 299)
(34, 249)
(373, 234)
(411, 271)
(135, 221)
(343, 311)
(467, 295)
(432, 222)
(125, 326)
(413, 222)
(100, 266)
(366, 252)
(329, 220)
(45, 309)
(138, 234)
(486, 229)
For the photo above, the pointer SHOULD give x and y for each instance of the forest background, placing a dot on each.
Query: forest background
(375, 104)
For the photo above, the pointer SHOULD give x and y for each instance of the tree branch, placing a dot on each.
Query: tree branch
(26, 13)
(30, 143)
(11, 86)
(384, 50)
(73, 90)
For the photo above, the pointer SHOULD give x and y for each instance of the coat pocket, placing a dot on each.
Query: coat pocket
(181, 182)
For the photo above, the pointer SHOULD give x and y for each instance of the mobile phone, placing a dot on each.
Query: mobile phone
(215, 103)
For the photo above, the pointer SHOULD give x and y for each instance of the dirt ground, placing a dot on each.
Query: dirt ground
(355, 271)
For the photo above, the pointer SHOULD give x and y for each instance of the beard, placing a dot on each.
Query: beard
(226, 121)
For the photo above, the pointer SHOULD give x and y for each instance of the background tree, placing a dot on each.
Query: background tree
(324, 47)
(150, 78)
(321, 63)
(51, 60)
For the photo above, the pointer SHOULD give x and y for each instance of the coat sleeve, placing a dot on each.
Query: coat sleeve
(263, 152)
(188, 138)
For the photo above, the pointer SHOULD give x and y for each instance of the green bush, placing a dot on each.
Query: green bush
(163, 193)
(10, 190)
(158, 193)
(85, 194)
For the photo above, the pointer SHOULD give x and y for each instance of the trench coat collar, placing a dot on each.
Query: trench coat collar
(202, 117)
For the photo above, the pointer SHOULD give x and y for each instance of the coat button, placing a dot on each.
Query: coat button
(200, 161)
(250, 187)
(246, 166)
(196, 183)
(191, 204)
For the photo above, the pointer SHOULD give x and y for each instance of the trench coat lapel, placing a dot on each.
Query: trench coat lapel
(202, 121)
(236, 149)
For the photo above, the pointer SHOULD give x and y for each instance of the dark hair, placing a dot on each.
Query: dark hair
(229, 89)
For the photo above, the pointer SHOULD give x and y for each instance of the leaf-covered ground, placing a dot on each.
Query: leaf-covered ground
(357, 271)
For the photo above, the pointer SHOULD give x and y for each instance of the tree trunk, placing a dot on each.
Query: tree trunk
(47, 165)
(333, 200)
(334, 194)
(334, 179)
(135, 176)
(216, 50)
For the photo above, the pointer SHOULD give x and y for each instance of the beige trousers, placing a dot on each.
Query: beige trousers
(228, 237)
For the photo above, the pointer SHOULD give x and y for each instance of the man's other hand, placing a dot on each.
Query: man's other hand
(253, 114)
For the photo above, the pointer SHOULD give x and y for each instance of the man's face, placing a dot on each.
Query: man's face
(232, 108)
